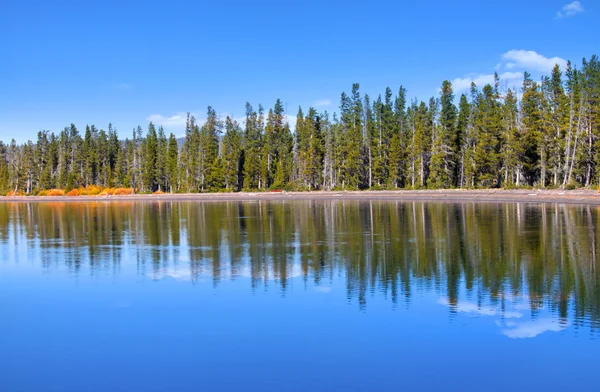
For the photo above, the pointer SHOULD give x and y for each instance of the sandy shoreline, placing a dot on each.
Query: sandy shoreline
(588, 197)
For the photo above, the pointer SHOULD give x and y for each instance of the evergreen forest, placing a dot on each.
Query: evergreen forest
(544, 134)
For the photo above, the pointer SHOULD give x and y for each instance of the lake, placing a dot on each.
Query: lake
(298, 295)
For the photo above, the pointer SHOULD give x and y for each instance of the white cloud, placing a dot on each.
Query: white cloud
(510, 320)
(322, 102)
(474, 309)
(464, 84)
(570, 10)
(530, 61)
(226, 272)
(533, 328)
(176, 121)
(292, 121)
(513, 63)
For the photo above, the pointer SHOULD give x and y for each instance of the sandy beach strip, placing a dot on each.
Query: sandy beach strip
(588, 197)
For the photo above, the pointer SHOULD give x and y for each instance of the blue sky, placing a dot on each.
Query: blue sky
(130, 62)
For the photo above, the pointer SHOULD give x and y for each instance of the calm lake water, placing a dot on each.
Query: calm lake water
(298, 296)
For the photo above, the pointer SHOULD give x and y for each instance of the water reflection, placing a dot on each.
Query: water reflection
(496, 261)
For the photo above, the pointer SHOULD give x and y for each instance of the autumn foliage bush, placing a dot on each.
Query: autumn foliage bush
(93, 190)
(73, 192)
(122, 191)
(90, 190)
(52, 192)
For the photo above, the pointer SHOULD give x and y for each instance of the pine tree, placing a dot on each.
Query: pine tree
(161, 160)
(559, 113)
(329, 162)
(102, 152)
(4, 169)
(172, 164)
(530, 132)
(488, 126)
(445, 144)
(252, 149)
(232, 155)
(591, 118)
(276, 155)
(351, 122)
(136, 160)
(398, 142)
(114, 150)
(150, 146)
(15, 167)
(312, 151)
(511, 144)
(75, 176)
(372, 124)
(300, 148)
(208, 150)
(462, 127)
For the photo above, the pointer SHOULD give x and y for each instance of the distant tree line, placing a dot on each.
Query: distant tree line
(545, 135)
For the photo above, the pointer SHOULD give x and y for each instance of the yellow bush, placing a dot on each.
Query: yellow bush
(56, 192)
(159, 193)
(52, 192)
(93, 190)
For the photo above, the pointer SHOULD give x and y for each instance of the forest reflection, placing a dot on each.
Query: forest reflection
(492, 253)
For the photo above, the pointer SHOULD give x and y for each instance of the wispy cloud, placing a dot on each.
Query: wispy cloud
(511, 67)
(533, 328)
(176, 121)
(570, 9)
(464, 84)
(319, 103)
(122, 86)
(226, 272)
(530, 61)
(122, 304)
(510, 320)
(474, 309)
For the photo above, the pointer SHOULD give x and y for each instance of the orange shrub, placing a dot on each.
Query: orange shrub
(93, 190)
(107, 191)
(122, 191)
(52, 192)
(73, 192)
(159, 193)
(56, 192)
(13, 193)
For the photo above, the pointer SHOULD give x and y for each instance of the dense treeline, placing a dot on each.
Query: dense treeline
(545, 135)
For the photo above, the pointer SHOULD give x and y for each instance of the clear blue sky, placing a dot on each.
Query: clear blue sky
(127, 62)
